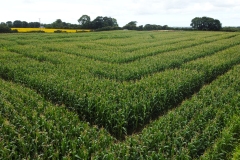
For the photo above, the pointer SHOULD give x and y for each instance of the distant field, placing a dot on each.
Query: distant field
(24, 30)
(120, 95)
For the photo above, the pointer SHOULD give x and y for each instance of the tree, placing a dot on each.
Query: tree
(206, 23)
(104, 22)
(140, 28)
(58, 24)
(9, 23)
(84, 21)
(24, 24)
(165, 27)
(33, 24)
(115, 24)
(131, 25)
(153, 27)
(148, 27)
(107, 21)
(4, 28)
(97, 22)
(17, 24)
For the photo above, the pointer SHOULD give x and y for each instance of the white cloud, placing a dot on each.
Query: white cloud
(171, 12)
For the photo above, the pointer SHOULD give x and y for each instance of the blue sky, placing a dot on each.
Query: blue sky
(170, 12)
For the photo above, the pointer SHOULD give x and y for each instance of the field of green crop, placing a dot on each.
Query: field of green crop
(120, 95)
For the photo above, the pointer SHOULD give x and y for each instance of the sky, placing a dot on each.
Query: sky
(174, 13)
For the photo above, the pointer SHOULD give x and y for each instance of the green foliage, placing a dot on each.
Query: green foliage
(206, 23)
(59, 31)
(9, 24)
(17, 24)
(59, 24)
(163, 55)
(231, 29)
(4, 28)
(103, 22)
(40, 31)
(32, 128)
(236, 154)
(166, 95)
(84, 21)
(152, 27)
(108, 28)
(99, 23)
(131, 25)
(23, 24)
(203, 127)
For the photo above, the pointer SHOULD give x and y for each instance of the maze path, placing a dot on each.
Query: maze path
(206, 126)
(121, 107)
(197, 127)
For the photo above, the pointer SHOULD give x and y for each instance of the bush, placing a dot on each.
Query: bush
(231, 29)
(60, 31)
(82, 31)
(39, 31)
(4, 28)
(14, 31)
(108, 28)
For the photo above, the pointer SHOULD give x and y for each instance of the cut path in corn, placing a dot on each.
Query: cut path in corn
(119, 107)
(205, 126)
(185, 105)
(33, 128)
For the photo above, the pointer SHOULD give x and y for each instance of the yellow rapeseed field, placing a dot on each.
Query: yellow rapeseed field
(24, 30)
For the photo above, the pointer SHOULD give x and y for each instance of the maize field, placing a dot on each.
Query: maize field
(120, 95)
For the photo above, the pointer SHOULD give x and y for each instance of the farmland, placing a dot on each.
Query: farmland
(120, 95)
(46, 30)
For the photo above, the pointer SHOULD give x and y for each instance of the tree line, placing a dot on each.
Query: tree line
(22, 24)
(133, 26)
(101, 23)
(84, 23)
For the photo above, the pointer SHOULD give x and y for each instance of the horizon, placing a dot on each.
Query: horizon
(174, 13)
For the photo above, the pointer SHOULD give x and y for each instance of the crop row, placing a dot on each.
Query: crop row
(132, 52)
(31, 38)
(141, 46)
(32, 128)
(99, 38)
(206, 126)
(135, 38)
(160, 62)
(130, 71)
(123, 107)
